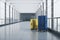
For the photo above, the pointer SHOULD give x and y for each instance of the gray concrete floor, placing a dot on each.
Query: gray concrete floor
(21, 31)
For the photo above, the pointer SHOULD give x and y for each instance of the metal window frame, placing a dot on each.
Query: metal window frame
(5, 12)
(12, 14)
(9, 14)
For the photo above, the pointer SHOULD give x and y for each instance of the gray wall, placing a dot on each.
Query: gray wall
(26, 16)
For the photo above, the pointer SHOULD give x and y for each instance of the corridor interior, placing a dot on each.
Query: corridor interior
(21, 31)
(15, 16)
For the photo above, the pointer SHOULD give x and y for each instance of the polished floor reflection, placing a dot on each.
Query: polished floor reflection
(21, 31)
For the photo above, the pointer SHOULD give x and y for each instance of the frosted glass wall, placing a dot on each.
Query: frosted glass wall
(7, 13)
(49, 8)
(2, 13)
(11, 14)
(42, 10)
(56, 18)
(58, 25)
(48, 23)
(15, 19)
(57, 14)
(55, 24)
(56, 8)
(49, 13)
(16, 16)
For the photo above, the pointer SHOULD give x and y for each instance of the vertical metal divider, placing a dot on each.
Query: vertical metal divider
(46, 12)
(46, 7)
(12, 22)
(5, 20)
(9, 22)
(5, 12)
(52, 14)
(12, 14)
(43, 8)
(9, 14)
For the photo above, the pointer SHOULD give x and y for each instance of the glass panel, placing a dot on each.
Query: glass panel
(55, 24)
(11, 13)
(56, 8)
(16, 16)
(58, 25)
(49, 8)
(50, 24)
(44, 7)
(7, 13)
(2, 13)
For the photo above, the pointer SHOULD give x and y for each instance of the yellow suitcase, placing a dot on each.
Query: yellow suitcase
(36, 23)
(33, 24)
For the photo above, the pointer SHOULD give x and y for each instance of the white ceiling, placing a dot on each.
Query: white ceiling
(25, 6)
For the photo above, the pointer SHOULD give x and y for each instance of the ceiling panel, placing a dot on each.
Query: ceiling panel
(25, 5)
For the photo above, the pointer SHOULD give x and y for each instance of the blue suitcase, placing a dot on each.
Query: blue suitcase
(42, 23)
